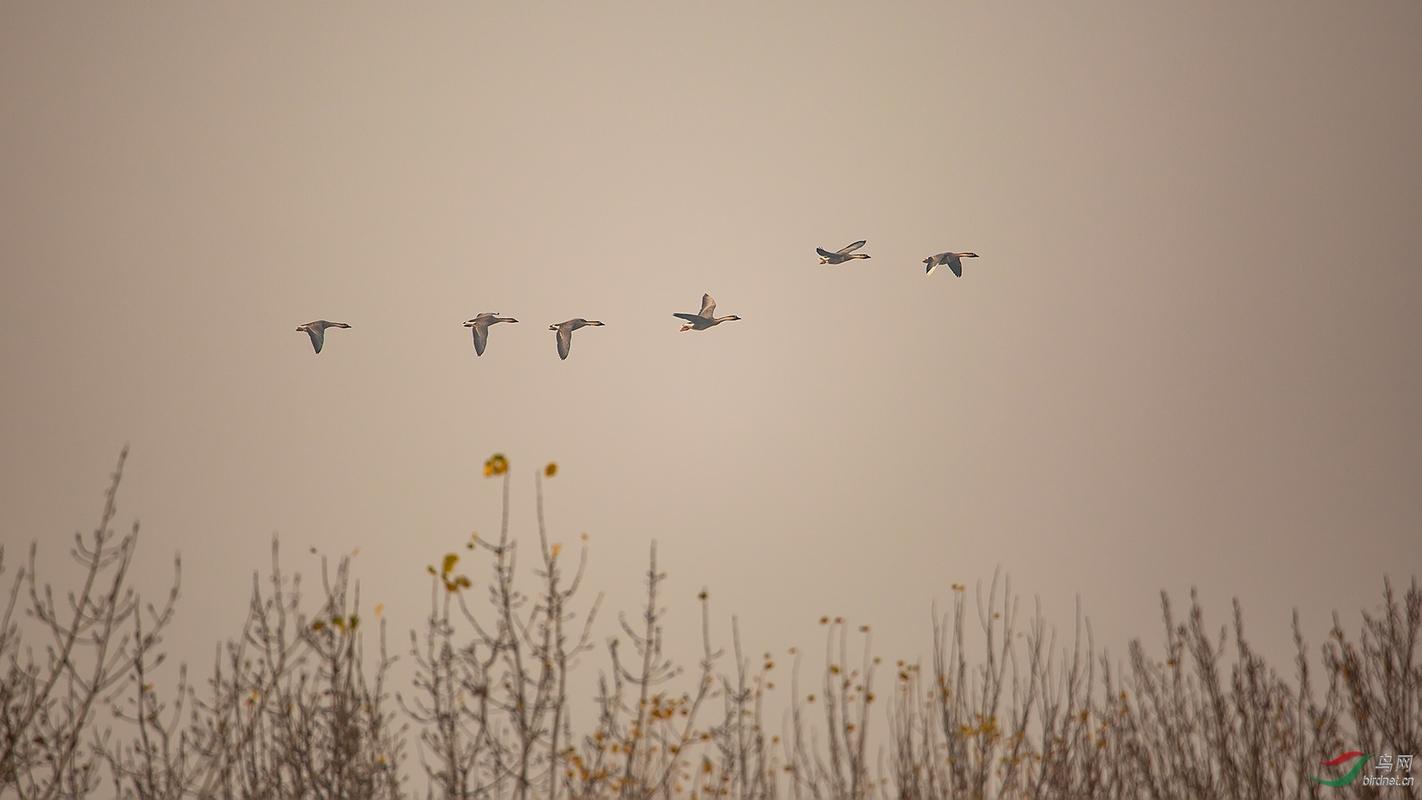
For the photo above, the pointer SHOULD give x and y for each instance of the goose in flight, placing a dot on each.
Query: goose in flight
(317, 331)
(480, 327)
(704, 319)
(953, 260)
(565, 333)
(841, 255)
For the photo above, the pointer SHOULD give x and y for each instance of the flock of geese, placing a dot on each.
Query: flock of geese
(705, 319)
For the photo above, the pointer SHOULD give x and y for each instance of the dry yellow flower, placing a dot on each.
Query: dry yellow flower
(496, 465)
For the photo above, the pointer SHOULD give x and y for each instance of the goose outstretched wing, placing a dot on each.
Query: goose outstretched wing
(850, 248)
(708, 306)
(318, 336)
(565, 340)
(481, 336)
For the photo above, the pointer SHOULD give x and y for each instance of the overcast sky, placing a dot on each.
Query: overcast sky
(1187, 356)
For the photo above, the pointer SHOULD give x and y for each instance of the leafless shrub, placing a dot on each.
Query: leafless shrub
(491, 686)
(99, 640)
(291, 709)
(294, 707)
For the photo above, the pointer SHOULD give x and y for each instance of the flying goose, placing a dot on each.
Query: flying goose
(565, 333)
(953, 260)
(480, 327)
(317, 331)
(704, 319)
(841, 255)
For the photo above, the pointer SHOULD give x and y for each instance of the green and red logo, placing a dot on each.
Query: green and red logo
(1358, 757)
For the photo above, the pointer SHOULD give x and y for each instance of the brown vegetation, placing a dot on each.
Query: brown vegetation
(294, 707)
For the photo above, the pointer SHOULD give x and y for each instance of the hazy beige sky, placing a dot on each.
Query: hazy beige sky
(1187, 356)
